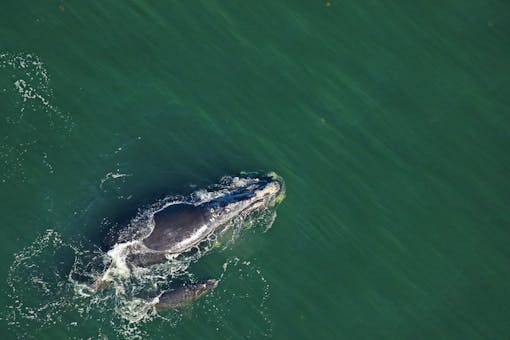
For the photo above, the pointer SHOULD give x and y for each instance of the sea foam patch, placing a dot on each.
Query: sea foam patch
(33, 124)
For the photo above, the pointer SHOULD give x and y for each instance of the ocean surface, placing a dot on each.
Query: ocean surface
(388, 120)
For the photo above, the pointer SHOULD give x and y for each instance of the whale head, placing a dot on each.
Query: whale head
(247, 194)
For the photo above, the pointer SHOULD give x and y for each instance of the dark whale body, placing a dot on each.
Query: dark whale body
(179, 227)
(178, 222)
(175, 224)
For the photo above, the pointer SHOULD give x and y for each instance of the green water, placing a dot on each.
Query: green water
(388, 120)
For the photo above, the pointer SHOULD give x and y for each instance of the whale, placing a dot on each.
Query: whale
(185, 295)
(179, 226)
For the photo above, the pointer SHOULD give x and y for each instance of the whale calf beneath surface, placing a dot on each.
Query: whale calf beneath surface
(185, 295)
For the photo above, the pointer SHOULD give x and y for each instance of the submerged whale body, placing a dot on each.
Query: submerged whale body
(178, 227)
(185, 295)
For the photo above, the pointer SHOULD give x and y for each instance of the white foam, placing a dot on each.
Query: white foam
(119, 267)
(34, 83)
(31, 95)
(112, 175)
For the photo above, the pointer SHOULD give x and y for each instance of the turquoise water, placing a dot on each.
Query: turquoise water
(388, 120)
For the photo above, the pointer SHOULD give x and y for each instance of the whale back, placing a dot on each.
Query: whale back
(178, 226)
